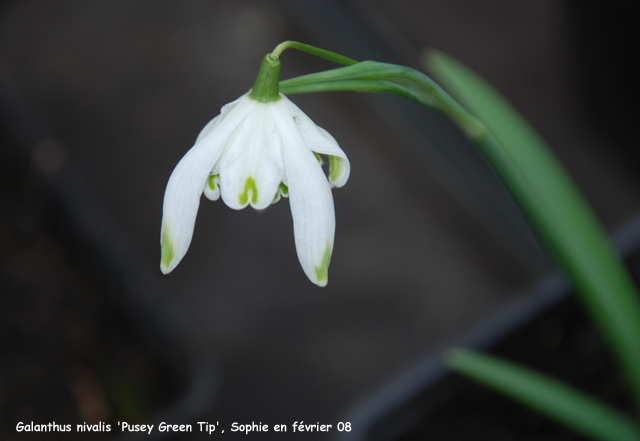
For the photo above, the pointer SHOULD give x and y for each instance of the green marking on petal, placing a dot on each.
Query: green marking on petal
(335, 167)
(318, 158)
(166, 244)
(250, 185)
(282, 190)
(211, 182)
(322, 271)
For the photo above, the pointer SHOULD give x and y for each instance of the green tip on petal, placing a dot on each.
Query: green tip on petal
(167, 250)
(322, 271)
(249, 186)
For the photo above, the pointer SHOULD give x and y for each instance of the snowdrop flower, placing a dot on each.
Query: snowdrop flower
(260, 147)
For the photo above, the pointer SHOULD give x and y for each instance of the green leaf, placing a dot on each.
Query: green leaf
(550, 397)
(556, 210)
(531, 173)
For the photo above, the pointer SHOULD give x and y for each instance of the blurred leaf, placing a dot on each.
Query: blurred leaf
(556, 210)
(550, 397)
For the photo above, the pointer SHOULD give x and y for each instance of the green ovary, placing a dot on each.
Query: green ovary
(322, 271)
(250, 185)
(166, 245)
(335, 167)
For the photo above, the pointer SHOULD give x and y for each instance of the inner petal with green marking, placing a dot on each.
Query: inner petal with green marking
(282, 190)
(249, 186)
(335, 167)
(212, 187)
(212, 182)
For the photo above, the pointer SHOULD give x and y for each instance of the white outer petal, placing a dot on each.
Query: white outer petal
(186, 184)
(320, 141)
(310, 198)
(223, 112)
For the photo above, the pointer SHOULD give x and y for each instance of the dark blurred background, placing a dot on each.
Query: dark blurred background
(101, 99)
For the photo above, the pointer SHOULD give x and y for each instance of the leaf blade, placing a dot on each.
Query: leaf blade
(557, 211)
(550, 397)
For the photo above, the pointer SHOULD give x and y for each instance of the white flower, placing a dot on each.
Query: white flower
(254, 153)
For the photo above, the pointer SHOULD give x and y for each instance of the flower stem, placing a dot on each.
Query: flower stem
(266, 87)
(322, 53)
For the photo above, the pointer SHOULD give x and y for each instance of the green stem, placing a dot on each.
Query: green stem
(322, 53)
(542, 188)
(265, 88)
